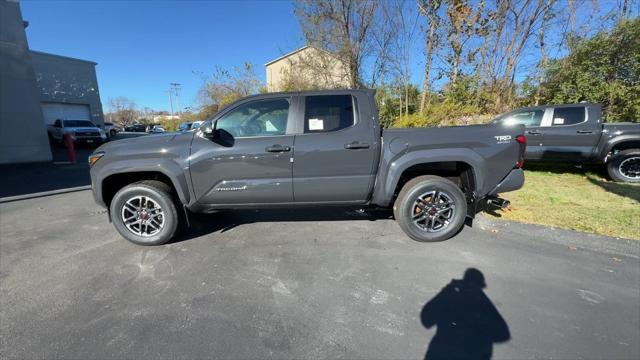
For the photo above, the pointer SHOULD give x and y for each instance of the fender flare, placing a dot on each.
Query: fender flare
(399, 164)
(166, 167)
(616, 140)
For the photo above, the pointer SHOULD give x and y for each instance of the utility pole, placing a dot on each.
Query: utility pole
(175, 88)
(170, 100)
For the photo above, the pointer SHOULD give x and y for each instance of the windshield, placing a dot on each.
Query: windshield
(78, 123)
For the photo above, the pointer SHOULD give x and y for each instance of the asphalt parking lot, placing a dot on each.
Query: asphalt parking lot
(27, 180)
(313, 283)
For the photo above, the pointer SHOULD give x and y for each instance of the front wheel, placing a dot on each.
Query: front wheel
(625, 166)
(112, 133)
(145, 213)
(430, 208)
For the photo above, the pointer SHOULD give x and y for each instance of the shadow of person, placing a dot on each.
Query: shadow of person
(468, 324)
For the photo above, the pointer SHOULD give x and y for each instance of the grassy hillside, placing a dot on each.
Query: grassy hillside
(579, 199)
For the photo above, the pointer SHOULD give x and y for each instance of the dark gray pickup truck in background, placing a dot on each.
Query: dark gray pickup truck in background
(575, 133)
(306, 149)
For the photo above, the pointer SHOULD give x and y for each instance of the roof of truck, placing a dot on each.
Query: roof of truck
(313, 92)
(555, 106)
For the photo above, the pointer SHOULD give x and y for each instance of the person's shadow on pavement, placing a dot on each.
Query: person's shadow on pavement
(468, 324)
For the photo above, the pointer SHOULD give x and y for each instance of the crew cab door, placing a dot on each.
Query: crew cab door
(337, 150)
(567, 134)
(253, 163)
(531, 119)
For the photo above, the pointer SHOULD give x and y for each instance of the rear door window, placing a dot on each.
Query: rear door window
(568, 116)
(327, 113)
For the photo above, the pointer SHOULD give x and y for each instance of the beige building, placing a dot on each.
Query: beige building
(306, 68)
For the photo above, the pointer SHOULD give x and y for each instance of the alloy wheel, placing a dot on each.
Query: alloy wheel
(433, 211)
(630, 168)
(143, 216)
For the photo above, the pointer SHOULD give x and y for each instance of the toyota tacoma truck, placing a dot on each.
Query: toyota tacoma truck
(575, 133)
(306, 149)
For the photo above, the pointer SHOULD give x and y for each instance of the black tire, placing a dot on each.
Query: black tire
(112, 133)
(623, 166)
(406, 206)
(159, 193)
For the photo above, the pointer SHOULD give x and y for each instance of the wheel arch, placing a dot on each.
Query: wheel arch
(620, 143)
(460, 166)
(115, 176)
(114, 182)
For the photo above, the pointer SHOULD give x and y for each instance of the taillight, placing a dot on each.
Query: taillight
(522, 140)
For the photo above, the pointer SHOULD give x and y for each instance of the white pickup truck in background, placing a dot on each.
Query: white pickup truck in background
(82, 131)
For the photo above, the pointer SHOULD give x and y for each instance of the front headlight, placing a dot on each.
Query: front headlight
(93, 158)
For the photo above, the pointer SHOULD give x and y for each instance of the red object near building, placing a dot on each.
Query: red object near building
(71, 151)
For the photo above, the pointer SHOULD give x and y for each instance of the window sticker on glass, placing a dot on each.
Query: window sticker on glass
(316, 124)
(270, 127)
(558, 121)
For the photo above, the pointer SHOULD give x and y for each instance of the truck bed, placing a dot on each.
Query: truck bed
(490, 149)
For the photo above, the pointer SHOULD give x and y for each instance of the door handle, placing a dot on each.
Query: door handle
(278, 148)
(356, 145)
(533, 132)
(584, 132)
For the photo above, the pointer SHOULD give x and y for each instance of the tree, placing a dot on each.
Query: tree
(312, 69)
(429, 9)
(224, 87)
(604, 69)
(346, 28)
(122, 111)
(402, 28)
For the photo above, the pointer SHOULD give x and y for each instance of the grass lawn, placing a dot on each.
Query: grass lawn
(579, 199)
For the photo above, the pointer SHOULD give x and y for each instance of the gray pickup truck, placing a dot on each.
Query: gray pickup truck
(575, 133)
(306, 149)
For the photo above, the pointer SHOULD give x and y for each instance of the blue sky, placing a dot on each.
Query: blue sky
(142, 46)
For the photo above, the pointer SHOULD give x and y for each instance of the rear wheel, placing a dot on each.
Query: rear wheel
(112, 132)
(625, 166)
(145, 213)
(430, 208)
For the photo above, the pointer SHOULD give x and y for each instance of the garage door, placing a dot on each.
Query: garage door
(54, 111)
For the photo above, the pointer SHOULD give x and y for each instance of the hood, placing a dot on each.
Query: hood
(143, 144)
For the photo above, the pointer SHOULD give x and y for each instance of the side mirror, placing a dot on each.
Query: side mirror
(218, 136)
(208, 130)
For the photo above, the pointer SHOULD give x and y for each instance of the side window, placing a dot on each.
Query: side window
(326, 113)
(527, 118)
(257, 118)
(568, 116)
